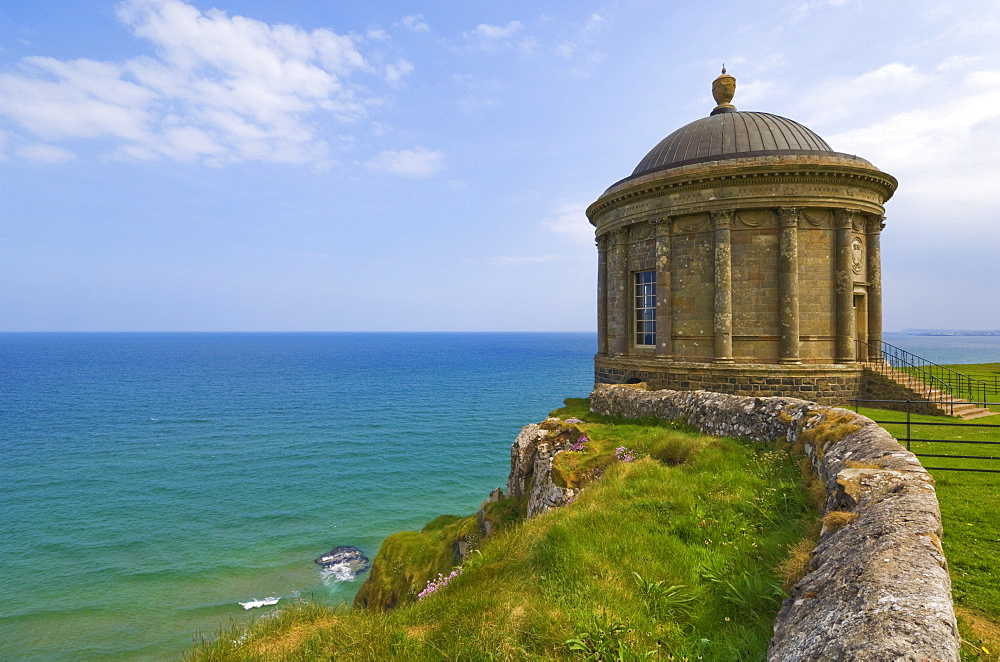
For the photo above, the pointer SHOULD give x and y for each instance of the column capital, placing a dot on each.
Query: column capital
(876, 224)
(664, 225)
(619, 235)
(788, 217)
(722, 220)
(602, 241)
(844, 218)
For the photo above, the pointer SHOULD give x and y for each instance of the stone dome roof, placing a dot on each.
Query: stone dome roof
(731, 134)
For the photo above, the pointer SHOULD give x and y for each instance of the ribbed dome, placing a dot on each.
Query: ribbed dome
(731, 135)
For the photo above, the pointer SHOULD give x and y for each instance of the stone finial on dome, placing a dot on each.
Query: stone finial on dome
(723, 89)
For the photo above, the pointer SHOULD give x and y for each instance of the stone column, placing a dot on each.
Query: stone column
(874, 235)
(844, 352)
(602, 294)
(619, 294)
(788, 285)
(664, 293)
(723, 326)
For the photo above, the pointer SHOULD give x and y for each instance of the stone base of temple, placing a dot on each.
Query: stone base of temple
(828, 384)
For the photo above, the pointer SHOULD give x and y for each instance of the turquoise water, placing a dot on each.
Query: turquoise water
(150, 483)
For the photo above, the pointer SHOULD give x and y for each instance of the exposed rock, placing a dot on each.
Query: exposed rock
(878, 587)
(485, 525)
(531, 466)
(460, 549)
(347, 557)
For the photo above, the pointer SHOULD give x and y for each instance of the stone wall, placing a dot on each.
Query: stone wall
(830, 384)
(877, 588)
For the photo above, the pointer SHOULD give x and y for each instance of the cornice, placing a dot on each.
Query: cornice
(814, 173)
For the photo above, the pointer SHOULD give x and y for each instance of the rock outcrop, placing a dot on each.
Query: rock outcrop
(531, 466)
(877, 587)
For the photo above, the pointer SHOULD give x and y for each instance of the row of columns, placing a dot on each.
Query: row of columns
(614, 294)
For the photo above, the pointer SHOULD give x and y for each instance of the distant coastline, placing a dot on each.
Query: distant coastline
(948, 332)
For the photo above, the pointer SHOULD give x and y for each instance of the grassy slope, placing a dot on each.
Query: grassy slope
(969, 504)
(671, 560)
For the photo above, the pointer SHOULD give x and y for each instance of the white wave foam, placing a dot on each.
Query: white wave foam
(253, 604)
(340, 572)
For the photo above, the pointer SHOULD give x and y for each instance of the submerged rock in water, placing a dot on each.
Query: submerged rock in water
(346, 557)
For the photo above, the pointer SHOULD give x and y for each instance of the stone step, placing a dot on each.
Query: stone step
(978, 413)
(947, 404)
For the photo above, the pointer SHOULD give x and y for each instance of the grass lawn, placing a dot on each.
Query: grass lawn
(970, 512)
(680, 553)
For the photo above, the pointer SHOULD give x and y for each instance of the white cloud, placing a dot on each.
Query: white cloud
(843, 98)
(750, 94)
(565, 50)
(395, 72)
(499, 38)
(220, 89)
(45, 153)
(594, 23)
(954, 62)
(571, 220)
(494, 32)
(417, 162)
(941, 152)
(415, 23)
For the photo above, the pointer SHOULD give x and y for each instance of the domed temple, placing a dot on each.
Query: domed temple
(741, 256)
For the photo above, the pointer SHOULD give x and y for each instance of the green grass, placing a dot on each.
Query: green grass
(658, 558)
(969, 512)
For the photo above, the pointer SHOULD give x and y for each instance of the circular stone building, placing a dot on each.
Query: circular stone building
(741, 256)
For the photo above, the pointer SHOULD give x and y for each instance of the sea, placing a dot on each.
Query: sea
(155, 486)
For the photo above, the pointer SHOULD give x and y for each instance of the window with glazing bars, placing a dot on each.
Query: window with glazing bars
(645, 308)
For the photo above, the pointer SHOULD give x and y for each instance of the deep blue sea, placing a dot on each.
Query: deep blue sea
(151, 483)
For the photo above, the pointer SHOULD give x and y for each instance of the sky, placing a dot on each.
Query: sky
(242, 165)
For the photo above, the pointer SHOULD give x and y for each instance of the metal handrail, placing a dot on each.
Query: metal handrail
(909, 438)
(933, 376)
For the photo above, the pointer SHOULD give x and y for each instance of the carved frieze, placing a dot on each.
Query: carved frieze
(754, 218)
(818, 218)
(641, 231)
(691, 223)
(629, 210)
